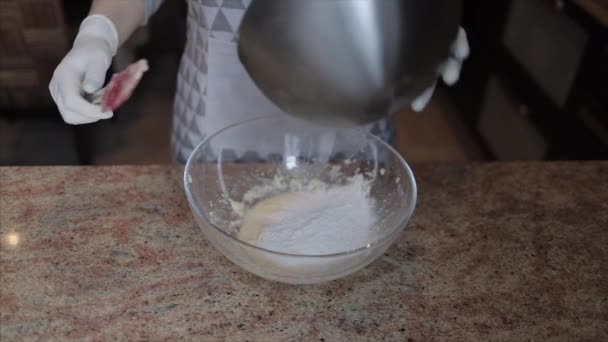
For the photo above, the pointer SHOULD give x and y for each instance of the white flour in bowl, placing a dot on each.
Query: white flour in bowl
(313, 222)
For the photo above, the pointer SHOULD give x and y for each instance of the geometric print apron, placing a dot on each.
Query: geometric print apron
(213, 88)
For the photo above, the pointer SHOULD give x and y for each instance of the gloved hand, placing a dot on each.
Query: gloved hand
(83, 70)
(449, 71)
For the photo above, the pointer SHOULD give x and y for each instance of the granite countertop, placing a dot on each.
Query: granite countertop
(503, 251)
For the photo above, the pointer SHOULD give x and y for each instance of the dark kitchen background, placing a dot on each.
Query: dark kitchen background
(534, 88)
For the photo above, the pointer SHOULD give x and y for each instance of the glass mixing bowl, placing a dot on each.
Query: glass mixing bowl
(224, 180)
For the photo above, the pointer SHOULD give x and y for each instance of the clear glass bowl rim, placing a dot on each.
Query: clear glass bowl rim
(388, 236)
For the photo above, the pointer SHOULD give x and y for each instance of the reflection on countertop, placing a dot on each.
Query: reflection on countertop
(11, 239)
(506, 251)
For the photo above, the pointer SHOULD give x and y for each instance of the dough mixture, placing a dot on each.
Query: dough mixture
(321, 221)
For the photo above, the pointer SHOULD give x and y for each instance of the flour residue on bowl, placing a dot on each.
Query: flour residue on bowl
(310, 218)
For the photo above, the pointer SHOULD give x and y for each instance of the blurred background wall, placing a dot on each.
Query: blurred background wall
(534, 87)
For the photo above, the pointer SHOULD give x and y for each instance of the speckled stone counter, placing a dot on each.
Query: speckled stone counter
(515, 251)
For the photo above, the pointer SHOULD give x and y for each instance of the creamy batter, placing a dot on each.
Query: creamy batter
(317, 222)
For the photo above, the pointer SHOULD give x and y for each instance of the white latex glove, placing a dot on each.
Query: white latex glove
(83, 70)
(449, 71)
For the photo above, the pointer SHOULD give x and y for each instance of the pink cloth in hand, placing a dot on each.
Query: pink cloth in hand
(122, 85)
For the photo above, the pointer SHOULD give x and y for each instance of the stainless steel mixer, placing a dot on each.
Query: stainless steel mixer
(344, 62)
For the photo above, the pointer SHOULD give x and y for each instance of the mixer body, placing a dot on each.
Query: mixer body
(345, 62)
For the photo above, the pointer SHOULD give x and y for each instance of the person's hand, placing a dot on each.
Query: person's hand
(83, 70)
(449, 71)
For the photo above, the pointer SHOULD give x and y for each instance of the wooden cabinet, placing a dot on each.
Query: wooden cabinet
(547, 44)
(33, 39)
(535, 86)
(504, 124)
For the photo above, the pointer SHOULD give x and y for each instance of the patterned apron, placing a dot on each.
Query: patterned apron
(213, 88)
